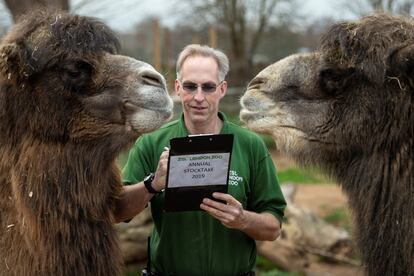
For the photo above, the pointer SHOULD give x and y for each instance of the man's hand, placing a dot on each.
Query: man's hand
(134, 198)
(259, 226)
(230, 215)
(159, 181)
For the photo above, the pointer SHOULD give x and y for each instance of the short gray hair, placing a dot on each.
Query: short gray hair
(205, 51)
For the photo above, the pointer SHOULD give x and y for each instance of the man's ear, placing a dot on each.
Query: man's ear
(401, 64)
(223, 88)
(13, 63)
(177, 87)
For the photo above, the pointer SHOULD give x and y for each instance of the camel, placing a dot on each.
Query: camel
(348, 108)
(69, 104)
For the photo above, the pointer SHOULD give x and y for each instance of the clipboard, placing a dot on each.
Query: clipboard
(198, 166)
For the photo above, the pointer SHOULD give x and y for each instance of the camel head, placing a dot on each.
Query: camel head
(351, 97)
(64, 81)
(348, 108)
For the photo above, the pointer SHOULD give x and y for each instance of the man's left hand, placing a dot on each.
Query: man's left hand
(230, 214)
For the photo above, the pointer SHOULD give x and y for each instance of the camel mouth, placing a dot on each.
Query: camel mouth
(254, 103)
(249, 117)
(253, 112)
(163, 111)
(162, 105)
(266, 122)
(256, 120)
(146, 119)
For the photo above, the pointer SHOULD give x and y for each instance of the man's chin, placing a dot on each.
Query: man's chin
(198, 117)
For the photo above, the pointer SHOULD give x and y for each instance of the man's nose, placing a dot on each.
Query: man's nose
(199, 94)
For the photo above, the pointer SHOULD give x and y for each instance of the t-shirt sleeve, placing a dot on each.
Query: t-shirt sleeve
(266, 194)
(138, 164)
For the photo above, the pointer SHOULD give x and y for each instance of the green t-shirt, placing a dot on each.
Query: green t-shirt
(193, 242)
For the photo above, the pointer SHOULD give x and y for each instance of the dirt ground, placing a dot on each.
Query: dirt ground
(321, 199)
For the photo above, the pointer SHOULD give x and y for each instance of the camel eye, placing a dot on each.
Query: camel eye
(334, 80)
(329, 74)
(73, 74)
(76, 74)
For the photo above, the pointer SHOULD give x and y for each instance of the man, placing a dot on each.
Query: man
(220, 239)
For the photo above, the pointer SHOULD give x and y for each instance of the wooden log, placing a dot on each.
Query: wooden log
(304, 236)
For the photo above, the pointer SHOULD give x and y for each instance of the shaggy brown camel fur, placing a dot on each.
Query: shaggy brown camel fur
(348, 108)
(68, 105)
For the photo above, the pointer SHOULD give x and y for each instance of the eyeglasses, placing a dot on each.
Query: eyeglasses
(207, 87)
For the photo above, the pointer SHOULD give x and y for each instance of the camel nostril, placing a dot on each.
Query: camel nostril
(152, 78)
(255, 83)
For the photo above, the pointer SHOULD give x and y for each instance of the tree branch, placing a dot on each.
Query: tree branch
(264, 15)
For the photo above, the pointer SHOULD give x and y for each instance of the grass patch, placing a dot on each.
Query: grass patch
(264, 267)
(301, 176)
(339, 217)
(277, 272)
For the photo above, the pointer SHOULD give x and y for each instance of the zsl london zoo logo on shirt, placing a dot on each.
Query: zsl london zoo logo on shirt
(234, 178)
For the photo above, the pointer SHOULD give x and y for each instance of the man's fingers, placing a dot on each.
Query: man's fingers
(215, 204)
(226, 219)
(161, 171)
(164, 155)
(216, 213)
(227, 198)
(164, 158)
(231, 212)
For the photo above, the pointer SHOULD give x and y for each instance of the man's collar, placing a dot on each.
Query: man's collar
(220, 114)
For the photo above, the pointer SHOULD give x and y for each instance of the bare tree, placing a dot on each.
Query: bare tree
(245, 22)
(364, 7)
(18, 7)
(405, 7)
(105, 9)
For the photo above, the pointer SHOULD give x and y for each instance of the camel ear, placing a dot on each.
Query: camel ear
(401, 64)
(333, 80)
(13, 65)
